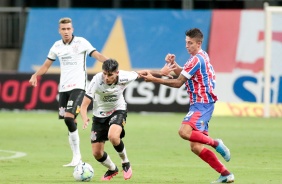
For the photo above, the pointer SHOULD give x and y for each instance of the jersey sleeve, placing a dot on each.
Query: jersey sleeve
(191, 67)
(127, 76)
(88, 47)
(52, 55)
(90, 92)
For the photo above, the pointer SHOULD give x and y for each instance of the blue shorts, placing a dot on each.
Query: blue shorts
(199, 116)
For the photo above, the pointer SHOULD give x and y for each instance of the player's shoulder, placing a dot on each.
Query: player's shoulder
(79, 39)
(126, 73)
(58, 43)
(98, 76)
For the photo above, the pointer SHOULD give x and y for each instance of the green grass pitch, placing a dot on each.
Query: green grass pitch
(157, 154)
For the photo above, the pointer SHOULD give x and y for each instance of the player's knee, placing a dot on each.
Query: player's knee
(196, 148)
(114, 139)
(70, 122)
(183, 134)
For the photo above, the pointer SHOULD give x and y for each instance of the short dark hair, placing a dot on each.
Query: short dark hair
(195, 33)
(110, 65)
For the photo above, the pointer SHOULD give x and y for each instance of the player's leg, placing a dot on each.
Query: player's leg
(99, 134)
(74, 139)
(63, 100)
(210, 158)
(102, 157)
(195, 128)
(115, 135)
(72, 110)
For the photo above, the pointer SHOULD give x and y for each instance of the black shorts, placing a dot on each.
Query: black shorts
(101, 126)
(70, 101)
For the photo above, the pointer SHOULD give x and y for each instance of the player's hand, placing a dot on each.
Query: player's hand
(148, 77)
(142, 73)
(167, 68)
(85, 124)
(33, 81)
(170, 58)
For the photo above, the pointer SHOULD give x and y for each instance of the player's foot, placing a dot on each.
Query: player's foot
(127, 171)
(223, 150)
(110, 174)
(75, 161)
(225, 179)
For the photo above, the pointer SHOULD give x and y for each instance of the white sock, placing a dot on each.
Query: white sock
(71, 143)
(109, 163)
(123, 156)
(74, 139)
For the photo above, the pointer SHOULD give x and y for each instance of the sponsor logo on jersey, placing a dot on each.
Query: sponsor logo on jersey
(110, 98)
(123, 80)
(104, 113)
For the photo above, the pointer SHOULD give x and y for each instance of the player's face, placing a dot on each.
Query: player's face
(192, 45)
(66, 31)
(110, 77)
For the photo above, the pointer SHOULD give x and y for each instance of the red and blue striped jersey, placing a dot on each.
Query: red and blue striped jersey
(201, 78)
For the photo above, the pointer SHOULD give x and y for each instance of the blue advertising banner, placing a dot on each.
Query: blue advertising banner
(137, 38)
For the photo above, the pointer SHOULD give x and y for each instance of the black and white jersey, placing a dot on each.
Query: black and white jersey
(72, 57)
(109, 98)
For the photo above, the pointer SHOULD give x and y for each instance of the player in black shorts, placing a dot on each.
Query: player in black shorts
(109, 115)
(72, 78)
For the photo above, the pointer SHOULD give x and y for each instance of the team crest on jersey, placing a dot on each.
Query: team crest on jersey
(75, 48)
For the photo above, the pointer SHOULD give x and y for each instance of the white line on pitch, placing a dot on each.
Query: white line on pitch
(16, 154)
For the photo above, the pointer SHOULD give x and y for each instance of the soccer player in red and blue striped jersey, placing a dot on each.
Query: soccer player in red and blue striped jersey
(199, 78)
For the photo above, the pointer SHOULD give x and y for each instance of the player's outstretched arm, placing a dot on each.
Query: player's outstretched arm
(100, 57)
(175, 83)
(42, 70)
(83, 111)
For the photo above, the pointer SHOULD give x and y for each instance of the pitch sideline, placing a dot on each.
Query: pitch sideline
(16, 154)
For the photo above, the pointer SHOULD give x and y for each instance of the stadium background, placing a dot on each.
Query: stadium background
(117, 29)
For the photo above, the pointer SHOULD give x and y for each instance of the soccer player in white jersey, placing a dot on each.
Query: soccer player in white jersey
(71, 52)
(109, 115)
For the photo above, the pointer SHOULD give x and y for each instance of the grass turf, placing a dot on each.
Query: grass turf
(157, 154)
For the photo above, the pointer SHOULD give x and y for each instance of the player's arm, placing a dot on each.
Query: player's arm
(165, 71)
(42, 70)
(97, 55)
(176, 68)
(176, 83)
(83, 110)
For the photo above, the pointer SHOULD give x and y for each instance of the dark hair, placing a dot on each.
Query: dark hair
(195, 33)
(110, 65)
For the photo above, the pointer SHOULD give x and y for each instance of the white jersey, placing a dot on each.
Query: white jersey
(109, 98)
(72, 59)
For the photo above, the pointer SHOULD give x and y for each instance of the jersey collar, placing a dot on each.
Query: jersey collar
(70, 41)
